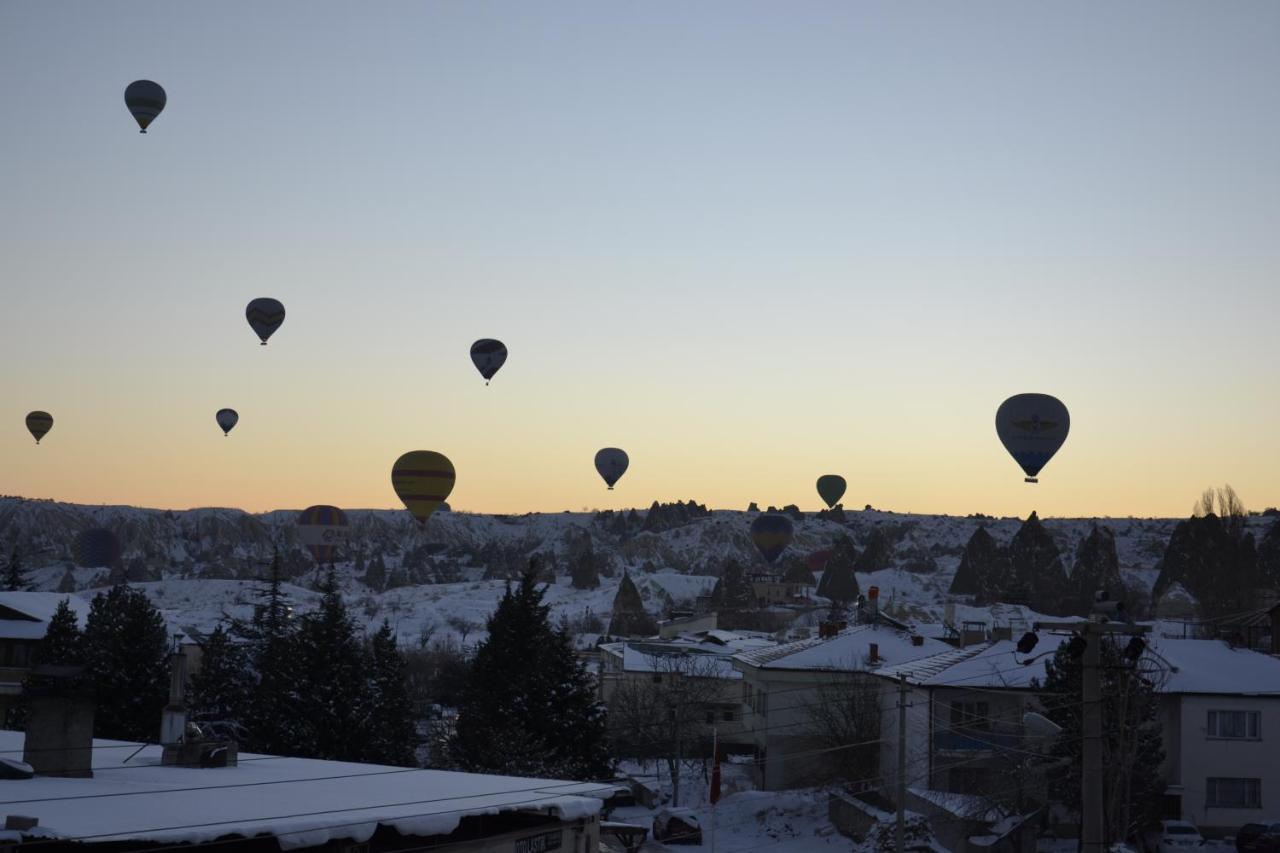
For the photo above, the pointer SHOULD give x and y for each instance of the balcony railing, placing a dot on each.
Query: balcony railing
(976, 740)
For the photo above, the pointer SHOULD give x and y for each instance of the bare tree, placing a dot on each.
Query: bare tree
(845, 718)
(463, 625)
(668, 716)
(1226, 505)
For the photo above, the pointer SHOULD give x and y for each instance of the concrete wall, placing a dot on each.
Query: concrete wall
(1201, 757)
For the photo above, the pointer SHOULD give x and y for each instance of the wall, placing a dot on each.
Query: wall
(1202, 757)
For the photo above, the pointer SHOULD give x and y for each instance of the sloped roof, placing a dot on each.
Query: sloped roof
(845, 652)
(39, 606)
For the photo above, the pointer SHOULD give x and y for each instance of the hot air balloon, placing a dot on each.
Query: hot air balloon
(488, 356)
(423, 479)
(772, 534)
(145, 100)
(265, 316)
(831, 489)
(38, 424)
(96, 548)
(226, 419)
(1032, 427)
(323, 529)
(612, 464)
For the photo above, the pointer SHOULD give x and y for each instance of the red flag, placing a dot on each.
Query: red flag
(715, 782)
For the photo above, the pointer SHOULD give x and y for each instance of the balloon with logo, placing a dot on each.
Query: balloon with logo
(1032, 427)
(611, 463)
(488, 356)
(265, 315)
(771, 534)
(39, 424)
(227, 419)
(145, 101)
(423, 480)
(324, 530)
(831, 489)
(96, 548)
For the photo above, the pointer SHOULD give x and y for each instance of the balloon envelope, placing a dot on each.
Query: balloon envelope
(423, 480)
(772, 534)
(265, 315)
(324, 530)
(488, 356)
(145, 100)
(1032, 427)
(226, 419)
(611, 463)
(39, 424)
(96, 548)
(831, 489)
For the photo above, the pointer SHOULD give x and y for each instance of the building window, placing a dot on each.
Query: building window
(1227, 793)
(711, 718)
(728, 716)
(1237, 725)
(970, 715)
(657, 678)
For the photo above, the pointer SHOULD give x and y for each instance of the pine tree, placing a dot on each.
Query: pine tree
(733, 591)
(528, 708)
(275, 714)
(126, 653)
(63, 643)
(220, 690)
(330, 671)
(15, 575)
(1132, 747)
(392, 732)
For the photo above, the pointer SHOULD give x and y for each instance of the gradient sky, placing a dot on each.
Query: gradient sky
(749, 242)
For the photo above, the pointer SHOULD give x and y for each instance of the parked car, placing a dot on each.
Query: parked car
(1175, 836)
(1261, 837)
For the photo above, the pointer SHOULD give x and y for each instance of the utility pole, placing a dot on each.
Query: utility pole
(1092, 777)
(902, 763)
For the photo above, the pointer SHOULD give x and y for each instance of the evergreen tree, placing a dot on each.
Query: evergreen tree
(330, 672)
(63, 643)
(528, 708)
(275, 711)
(1132, 749)
(733, 591)
(391, 727)
(15, 575)
(220, 690)
(126, 654)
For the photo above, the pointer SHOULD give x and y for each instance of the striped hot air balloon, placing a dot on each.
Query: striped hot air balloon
(39, 424)
(1032, 427)
(265, 315)
(772, 534)
(488, 356)
(324, 530)
(611, 464)
(423, 480)
(145, 101)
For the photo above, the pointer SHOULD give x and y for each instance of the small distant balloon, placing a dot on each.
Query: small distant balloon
(324, 530)
(831, 489)
(488, 356)
(96, 548)
(265, 315)
(227, 419)
(145, 100)
(771, 534)
(611, 463)
(423, 480)
(1032, 427)
(39, 424)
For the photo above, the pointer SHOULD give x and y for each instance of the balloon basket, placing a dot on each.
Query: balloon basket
(1030, 480)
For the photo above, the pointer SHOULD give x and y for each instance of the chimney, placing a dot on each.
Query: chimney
(173, 719)
(917, 640)
(873, 603)
(59, 739)
(874, 655)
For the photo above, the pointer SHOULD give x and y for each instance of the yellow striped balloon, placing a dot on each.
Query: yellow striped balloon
(423, 480)
(39, 423)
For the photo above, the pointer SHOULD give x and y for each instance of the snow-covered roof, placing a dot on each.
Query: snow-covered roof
(39, 606)
(697, 654)
(304, 802)
(847, 651)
